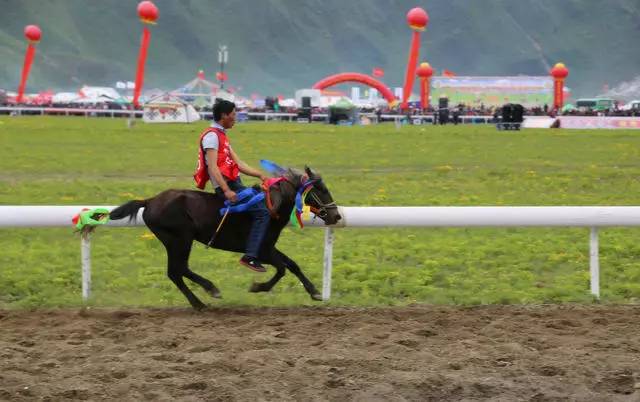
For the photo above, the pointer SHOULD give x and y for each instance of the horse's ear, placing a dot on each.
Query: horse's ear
(308, 171)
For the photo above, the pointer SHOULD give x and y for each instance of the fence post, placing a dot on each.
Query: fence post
(594, 264)
(328, 263)
(85, 251)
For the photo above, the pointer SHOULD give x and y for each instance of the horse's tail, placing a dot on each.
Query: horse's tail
(130, 209)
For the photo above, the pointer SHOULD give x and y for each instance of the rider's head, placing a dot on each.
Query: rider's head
(224, 113)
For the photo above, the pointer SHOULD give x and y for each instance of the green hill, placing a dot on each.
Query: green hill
(278, 46)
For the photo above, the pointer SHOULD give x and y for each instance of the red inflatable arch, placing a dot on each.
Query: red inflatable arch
(362, 79)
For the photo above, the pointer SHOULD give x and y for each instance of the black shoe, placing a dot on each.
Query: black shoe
(252, 263)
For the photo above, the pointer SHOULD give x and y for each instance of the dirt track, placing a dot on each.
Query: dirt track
(541, 353)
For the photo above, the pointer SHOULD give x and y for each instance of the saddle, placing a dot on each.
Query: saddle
(251, 196)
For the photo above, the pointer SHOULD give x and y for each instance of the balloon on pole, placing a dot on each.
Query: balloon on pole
(148, 13)
(424, 72)
(559, 72)
(417, 19)
(33, 35)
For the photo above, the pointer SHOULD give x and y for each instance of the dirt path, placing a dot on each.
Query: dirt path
(502, 353)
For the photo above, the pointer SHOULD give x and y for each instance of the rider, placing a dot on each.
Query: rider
(223, 167)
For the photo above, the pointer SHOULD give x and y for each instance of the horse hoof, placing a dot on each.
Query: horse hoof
(316, 297)
(255, 288)
(199, 307)
(215, 294)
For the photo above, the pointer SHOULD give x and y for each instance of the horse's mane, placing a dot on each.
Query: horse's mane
(296, 175)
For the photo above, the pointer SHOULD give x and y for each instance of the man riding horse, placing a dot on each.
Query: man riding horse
(218, 162)
(180, 217)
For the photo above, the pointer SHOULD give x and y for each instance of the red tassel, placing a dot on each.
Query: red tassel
(142, 57)
(28, 60)
(411, 68)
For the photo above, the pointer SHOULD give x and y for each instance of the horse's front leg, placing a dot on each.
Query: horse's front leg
(278, 263)
(295, 269)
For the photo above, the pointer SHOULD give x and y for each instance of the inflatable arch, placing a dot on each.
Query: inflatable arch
(360, 78)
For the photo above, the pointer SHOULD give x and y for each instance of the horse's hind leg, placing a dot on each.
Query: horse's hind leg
(206, 284)
(279, 264)
(178, 250)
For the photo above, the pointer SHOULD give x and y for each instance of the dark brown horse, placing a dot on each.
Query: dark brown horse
(178, 217)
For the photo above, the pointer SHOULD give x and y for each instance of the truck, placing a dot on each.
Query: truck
(595, 104)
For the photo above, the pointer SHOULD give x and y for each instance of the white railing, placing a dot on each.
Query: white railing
(265, 116)
(591, 217)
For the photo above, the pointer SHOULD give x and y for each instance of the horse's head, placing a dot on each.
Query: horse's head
(318, 198)
(309, 189)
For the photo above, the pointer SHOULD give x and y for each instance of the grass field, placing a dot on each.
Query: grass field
(99, 161)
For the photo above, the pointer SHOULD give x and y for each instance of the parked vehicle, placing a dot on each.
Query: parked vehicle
(595, 104)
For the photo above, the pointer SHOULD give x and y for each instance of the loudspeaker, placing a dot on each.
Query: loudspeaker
(443, 103)
(518, 114)
(443, 116)
(306, 101)
(512, 113)
(304, 113)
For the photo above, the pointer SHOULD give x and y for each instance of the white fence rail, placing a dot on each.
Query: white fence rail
(265, 116)
(591, 217)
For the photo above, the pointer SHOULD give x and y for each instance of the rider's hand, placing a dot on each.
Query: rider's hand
(231, 195)
(263, 178)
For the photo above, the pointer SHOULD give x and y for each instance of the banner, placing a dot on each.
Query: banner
(494, 91)
(596, 122)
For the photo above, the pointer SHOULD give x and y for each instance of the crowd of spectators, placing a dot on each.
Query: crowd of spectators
(273, 107)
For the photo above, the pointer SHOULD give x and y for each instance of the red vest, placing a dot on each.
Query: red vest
(228, 167)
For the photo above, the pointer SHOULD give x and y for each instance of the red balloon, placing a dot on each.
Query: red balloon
(559, 71)
(424, 71)
(417, 19)
(148, 12)
(32, 33)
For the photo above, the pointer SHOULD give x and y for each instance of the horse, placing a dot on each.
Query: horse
(178, 217)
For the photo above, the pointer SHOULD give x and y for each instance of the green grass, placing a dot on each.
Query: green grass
(99, 161)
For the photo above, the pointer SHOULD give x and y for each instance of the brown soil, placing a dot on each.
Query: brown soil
(426, 353)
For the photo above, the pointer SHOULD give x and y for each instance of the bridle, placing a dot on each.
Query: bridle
(305, 190)
(323, 209)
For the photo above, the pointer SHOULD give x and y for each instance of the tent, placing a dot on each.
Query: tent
(167, 108)
(343, 112)
(198, 91)
(289, 102)
(98, 92)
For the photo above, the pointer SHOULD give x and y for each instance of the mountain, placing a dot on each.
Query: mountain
(277, 46)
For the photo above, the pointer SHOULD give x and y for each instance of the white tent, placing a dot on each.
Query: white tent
(198, 91)
(97, 92)
(289, 102)
(167, 108)
(65, 97)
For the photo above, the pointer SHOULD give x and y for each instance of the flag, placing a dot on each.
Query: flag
(447, 73)
(378, 72)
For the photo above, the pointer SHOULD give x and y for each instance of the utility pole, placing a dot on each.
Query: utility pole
(223, 58)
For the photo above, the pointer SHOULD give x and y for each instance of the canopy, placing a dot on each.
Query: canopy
(343, 103)
(167, 108)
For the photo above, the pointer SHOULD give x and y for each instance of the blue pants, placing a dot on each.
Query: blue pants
(260, 217)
